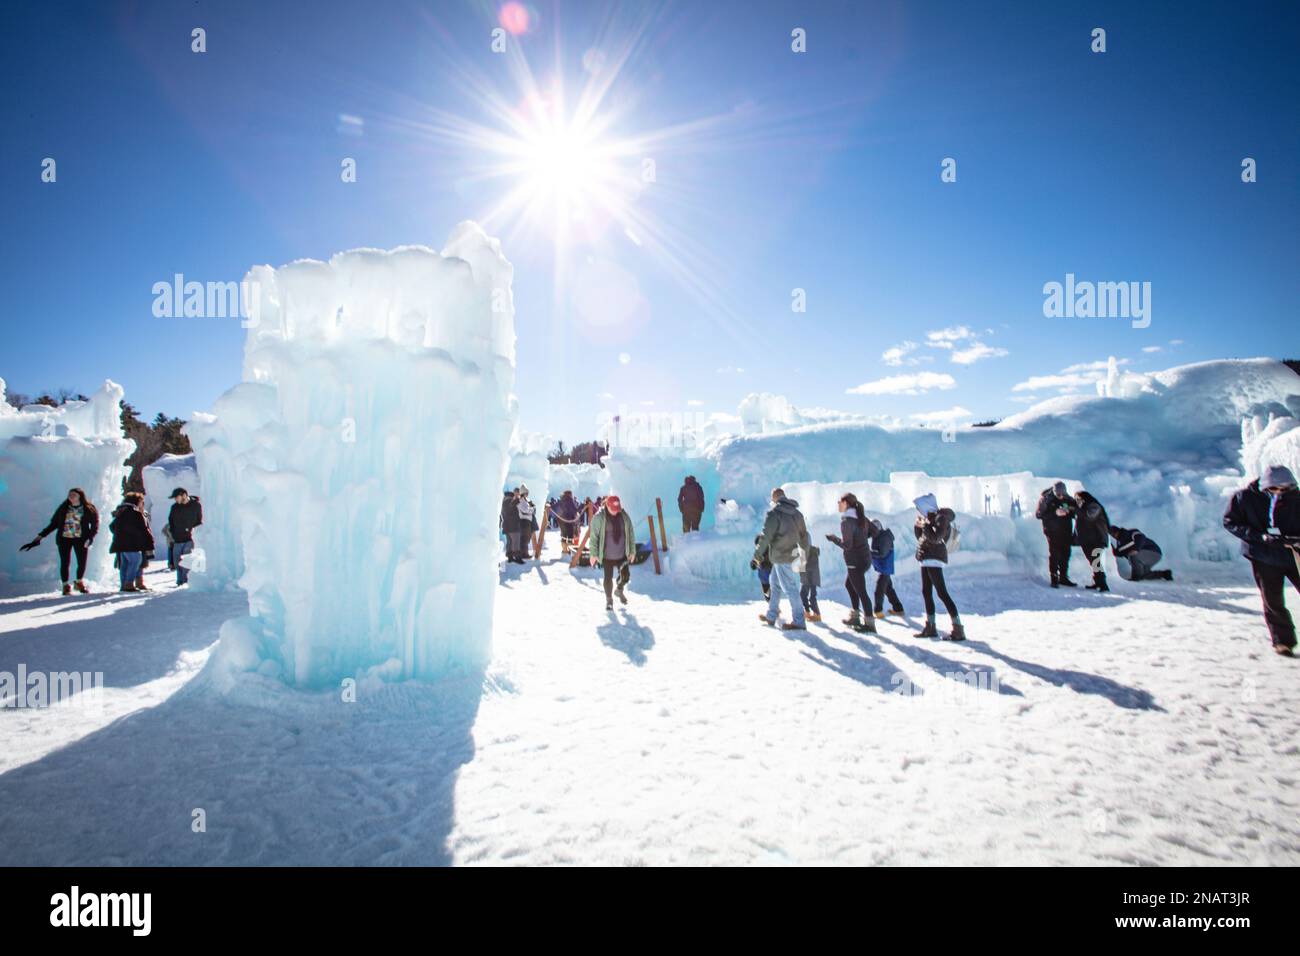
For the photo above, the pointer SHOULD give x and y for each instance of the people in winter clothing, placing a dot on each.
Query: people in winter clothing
(1141, 553)
(1056, 511)
(1092, 528)
(784, 531)
(566, 512)
(933, 530)
(76, 522)
(882, 561)
(855, 541)
(131, 538)
(1265, 515)
(527, 522)
(690, 502)
(764, 571)
(808, 564)
(612, 543)
(186, 514)
(510, 525)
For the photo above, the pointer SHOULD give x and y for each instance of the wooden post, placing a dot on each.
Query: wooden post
(541, 533)
(663, 532)
(577, 555)
(654, 548)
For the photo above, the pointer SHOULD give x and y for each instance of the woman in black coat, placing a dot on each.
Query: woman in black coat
(131, 539)
(77, 522)
(1092, 528)
(855, 541)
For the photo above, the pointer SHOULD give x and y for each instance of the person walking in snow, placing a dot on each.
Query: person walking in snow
(933, 531)
(855, 540)
(1092, 528)
(1141, 553)
(76, 521)
(612, 543)
(882, 562)
(185, 515)
(784, 531)
(690, 502)
(1056, 511)
(764, 571)
(566, 513)
(1265, 515)
(131, 538)
(808, 564)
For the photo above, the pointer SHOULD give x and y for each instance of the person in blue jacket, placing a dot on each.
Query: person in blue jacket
(882, 562)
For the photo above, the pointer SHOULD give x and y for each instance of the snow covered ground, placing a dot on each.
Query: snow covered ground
(1149, 726)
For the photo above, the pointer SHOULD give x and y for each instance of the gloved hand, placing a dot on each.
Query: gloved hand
(35, 542)
(753, 564)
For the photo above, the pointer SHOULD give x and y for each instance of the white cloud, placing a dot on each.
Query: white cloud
(915, 384)
(1025, 399)
(1059, 382)
(943, 417)
(1152, 348)
(694, 402)
(1175, 341)
(977, 351)
(899, 353)
(1092, 366)
(947, 338)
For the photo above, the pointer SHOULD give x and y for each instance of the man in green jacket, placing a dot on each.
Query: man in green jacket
(612, 544)
(784, 530)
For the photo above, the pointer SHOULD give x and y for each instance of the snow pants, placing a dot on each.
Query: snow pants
(932, 582)
(624, 576)
(885, 589)
(1058, 556)
(1271, 580)
(67, 548)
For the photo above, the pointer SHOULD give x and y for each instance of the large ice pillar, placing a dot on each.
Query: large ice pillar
(44, 451)
(352, 484)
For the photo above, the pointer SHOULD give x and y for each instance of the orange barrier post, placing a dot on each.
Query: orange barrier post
(541, 533)
(663, 532)
(577, 555)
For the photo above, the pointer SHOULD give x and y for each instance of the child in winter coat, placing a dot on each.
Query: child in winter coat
(808, 564)
(882, 561)
(933, 530)
(764, 573)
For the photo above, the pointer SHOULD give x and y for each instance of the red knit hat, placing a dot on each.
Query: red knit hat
(613, 504)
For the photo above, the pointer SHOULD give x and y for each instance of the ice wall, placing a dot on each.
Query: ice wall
(45, 451)
(352, 482)
(639, 475)
(160, 479)
(585, 481)
(530, 466)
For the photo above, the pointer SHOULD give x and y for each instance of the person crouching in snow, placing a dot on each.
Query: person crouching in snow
(764, 571)
(1142, 553)
(76, 521)
(808, 563)
(612, 543)
(856, 544)
(131, 538)
(1092, 528)
(882, 562)
(1265, 515)
(784, 531)
(933, 530)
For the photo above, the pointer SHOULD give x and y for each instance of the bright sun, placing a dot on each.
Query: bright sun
(569, 171)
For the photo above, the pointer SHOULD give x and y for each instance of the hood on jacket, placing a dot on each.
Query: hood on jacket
(926, 504)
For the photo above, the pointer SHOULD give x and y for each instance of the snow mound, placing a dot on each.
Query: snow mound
(351, 482)
(44, 451)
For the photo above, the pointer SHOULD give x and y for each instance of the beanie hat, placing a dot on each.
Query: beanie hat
(613, 504)
(1277, 476)
(1059, 488)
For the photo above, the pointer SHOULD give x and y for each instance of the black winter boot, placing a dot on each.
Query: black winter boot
(929, 630)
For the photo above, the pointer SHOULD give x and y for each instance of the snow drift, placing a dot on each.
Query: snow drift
(351, 482)
(44, 451)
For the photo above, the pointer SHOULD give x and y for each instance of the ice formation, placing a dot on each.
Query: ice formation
(160, 479)
(585, 480)
(352, 482)
(44, 451)
(529, 465)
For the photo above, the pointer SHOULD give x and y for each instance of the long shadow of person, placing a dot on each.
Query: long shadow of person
(868, 668)
(972, 675)
(1121, 695)
(627, 636)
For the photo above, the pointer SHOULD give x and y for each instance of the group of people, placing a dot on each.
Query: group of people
(75, 523)
(1080, 519)
(785, 559)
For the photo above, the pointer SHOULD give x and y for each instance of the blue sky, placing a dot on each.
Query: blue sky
(818, 171)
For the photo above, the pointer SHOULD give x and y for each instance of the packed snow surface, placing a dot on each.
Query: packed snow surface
(351, 482)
